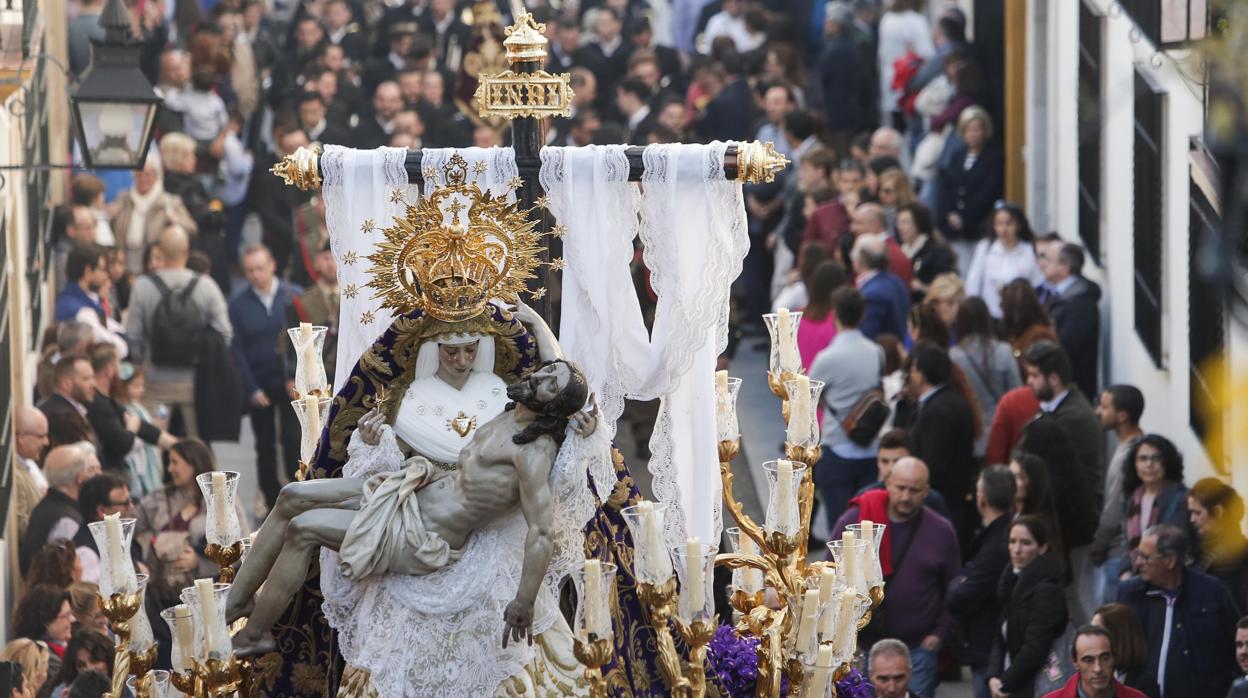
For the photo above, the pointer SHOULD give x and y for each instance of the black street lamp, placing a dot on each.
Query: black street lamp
(114, 105)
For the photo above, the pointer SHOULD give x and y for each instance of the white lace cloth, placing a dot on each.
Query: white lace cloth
(357, 188)
(446, 628)
(692, 222)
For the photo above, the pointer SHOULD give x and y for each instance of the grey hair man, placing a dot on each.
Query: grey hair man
(506, 466)
(56, 516)
(889, 668)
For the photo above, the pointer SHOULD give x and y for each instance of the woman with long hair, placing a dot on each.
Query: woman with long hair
(1126, 636)
(1033, 610)
(33, 656)
(44, 614)
(88, 651)
(1217, 511)
(56, 564)
(1033, 491)
(1006, 253)
(1024, 321)
(1153, 491)
(1076, 517)
(817, 327)
(923, 245)
(894, 191)
(987, 362)
(925, 323)
(171, 523)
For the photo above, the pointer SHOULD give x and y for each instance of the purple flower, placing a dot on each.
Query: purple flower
(854, 685)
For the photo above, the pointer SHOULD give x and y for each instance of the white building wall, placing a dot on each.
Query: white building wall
(1052, 185)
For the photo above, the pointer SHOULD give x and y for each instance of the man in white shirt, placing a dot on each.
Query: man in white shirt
(31, 443)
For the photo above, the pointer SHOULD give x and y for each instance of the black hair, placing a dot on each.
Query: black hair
(800, 123)
(1072, 256)
(1171, 461)
(97, 492)
(849, 306)
(1127, 398)
(1050, 359)
(897, 438)
(999, 487)
(1089, 631)
(82, 256)
(636, 87)
(932, 360)
(552, 417)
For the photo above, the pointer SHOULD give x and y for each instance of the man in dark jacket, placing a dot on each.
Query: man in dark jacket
(115, 428)
(730, 114)
(275, 202)
(1188, 617)
(1072, 301)
(56, 516)
(840, 76)
(886, 295)
(258, 314)
(73, 387)
(1049, 374)
(944, 430)
(972, 598)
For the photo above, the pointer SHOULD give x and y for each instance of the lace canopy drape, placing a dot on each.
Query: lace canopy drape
(692, 224)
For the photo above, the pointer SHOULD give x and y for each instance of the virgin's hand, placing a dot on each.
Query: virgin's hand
(370, 427)
(586, 421)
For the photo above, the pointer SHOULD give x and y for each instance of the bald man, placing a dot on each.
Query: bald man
(919, 554)
(166, 354)
(869, 220)
(57, 516)
(32, 442)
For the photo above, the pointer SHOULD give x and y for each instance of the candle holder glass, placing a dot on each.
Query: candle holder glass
(804, 435)
(142, 639)
(873, 572)
(840, 551)
(159, 685)
(775, 366)
(651, 562)
(117, 575)
(726, 412)
(312, 416)
(831, 623)
(310, 378)
(783, 515)
(593, 624)
(221, 525)
(693, 603)
(211, 627)
(748, 581)
(181, 655)
(819, 676)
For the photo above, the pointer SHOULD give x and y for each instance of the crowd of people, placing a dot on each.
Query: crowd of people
(1036, 534)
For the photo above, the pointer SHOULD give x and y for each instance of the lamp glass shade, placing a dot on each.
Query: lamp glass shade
(115, 134)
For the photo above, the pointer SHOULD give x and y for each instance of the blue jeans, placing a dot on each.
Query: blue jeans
(979, 682)
(923, 677)
(838, 479)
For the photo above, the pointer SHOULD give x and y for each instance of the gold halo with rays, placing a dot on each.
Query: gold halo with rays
(431, 260)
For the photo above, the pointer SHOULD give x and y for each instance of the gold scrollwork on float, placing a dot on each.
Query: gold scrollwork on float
(513, 95)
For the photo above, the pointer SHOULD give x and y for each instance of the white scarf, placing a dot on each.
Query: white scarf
(143, 203)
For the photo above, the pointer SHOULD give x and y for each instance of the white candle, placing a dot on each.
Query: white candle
(784, 497)
(116, 553)
(751, 579)
(847, 628)
(184, 630)
(852, 563)
(312, 427)
(809, 614)
(790, 360)
(660, 563)
(823, 667)
(593, 598)
(208, 611)
(827, 578)
(695, 584)
(721, 383)
(799, 412)
(219, 505)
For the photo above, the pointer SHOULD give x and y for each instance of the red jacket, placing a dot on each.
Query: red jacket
(1014, 410)
(1071, 690)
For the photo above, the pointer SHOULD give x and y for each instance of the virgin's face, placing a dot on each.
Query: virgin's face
(183, 473)
(457, 360)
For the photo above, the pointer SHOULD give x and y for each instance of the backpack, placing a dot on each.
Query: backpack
(177, 327)
(865, 418)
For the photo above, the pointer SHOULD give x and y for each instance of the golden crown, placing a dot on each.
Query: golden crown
(455, 250)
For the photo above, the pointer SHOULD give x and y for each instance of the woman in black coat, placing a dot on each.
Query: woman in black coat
(1033, 610)
(971, 180)
(926, 249)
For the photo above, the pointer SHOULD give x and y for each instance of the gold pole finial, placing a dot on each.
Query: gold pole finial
(759, 162)
(526, 40)
(301, 168)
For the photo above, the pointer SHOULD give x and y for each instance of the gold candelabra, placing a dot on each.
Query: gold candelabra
(120, 609)
(594, 652)
(224, 557)
(661, 600)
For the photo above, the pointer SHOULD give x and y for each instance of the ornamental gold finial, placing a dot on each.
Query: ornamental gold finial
(455, 250)
(526, 40)
(759, 162)
(301, 168)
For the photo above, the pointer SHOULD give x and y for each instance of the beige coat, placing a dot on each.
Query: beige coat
(171, 211)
